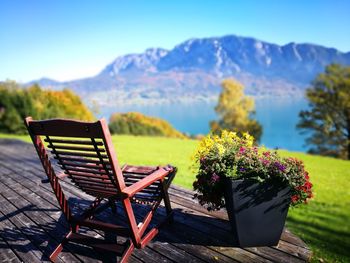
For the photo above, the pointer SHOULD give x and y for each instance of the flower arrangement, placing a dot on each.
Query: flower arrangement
(230, 155)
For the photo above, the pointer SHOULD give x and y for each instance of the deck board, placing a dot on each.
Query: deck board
(31, 224)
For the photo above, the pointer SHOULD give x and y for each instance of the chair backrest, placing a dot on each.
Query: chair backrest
(83, 150)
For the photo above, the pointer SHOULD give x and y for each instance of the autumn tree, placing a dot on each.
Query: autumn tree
(235, 111)
(327, 121)
(17, 102)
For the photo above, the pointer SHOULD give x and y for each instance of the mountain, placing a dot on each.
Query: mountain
(194, 69)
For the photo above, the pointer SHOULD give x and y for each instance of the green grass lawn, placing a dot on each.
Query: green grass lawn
(324, 224)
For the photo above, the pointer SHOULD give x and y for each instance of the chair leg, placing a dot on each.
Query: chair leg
(127, 253)
(59, 248)
(167, 203)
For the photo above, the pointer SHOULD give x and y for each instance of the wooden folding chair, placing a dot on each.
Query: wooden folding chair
(85, 154)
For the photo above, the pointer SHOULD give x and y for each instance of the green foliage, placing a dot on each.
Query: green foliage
(328, 119)
(16, 103)
(235, 111)
(138, 124)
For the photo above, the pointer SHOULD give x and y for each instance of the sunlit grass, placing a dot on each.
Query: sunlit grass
(324, 224)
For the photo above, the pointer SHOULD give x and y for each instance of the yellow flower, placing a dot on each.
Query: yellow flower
(248, 139)
(221, 149)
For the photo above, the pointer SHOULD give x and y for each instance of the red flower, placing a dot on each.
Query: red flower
(307, 185)
(307, 175)
(295, 198)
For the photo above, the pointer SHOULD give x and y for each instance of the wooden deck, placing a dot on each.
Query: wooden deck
(31, 224)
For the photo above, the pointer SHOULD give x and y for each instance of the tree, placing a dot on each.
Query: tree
(235, 111)
(15, 105)
(328, 118)
(17, 102)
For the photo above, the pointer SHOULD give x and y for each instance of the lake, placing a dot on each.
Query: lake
(278, 117)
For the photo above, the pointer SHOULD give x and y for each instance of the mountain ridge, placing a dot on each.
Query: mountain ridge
(194, 69)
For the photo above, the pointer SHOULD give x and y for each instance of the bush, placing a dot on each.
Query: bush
(138, 124)
(16, 103)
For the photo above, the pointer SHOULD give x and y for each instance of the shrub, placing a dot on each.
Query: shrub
(16, 103)
(138, 124)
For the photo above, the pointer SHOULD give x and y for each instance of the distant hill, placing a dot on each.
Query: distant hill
(194, 69)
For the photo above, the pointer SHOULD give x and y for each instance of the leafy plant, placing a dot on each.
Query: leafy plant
(229, 155)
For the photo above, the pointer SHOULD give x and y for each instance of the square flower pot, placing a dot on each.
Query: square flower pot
(257, 211)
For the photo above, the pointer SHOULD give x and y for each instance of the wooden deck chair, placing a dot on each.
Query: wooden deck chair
(85, 153)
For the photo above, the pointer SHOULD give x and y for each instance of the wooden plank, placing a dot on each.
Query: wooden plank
(32, 231)
(61, 227)
(17, 241)
(173, 253)
(295, 250)
(6, 253)
(45, 227)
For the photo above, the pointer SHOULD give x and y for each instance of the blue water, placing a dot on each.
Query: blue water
(277, 116)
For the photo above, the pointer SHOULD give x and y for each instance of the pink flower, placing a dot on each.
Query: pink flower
(241, 150)
(215, 178)
(265, 162)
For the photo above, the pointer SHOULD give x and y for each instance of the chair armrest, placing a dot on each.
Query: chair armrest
(144, 182)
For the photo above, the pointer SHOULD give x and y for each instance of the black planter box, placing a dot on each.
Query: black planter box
(257, 211)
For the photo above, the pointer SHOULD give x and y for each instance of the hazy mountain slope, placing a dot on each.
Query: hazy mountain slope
(194, 69)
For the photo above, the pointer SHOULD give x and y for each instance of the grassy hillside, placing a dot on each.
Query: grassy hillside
(324, 224)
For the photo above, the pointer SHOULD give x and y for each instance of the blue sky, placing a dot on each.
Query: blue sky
(65, 40)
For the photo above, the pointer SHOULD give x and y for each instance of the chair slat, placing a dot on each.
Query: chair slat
(97, 190)
(97, 187)
(81, 160)
(82, 170)
(99, 194)
(79, 154)
(74, 174)
(80, 165)
(139, 169)
(92, 182)
(134, 176)
(67, 141)
(75, 148)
